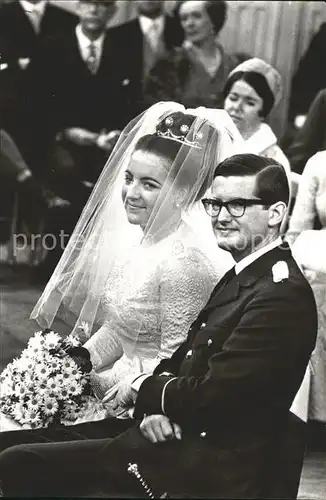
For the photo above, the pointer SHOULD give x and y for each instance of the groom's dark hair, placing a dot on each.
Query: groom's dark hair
(272, 184)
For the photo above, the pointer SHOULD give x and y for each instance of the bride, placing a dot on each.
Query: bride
(142, 260)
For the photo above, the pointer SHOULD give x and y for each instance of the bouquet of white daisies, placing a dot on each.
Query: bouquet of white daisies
(49, 384)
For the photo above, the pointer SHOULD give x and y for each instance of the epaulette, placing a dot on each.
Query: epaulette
(280, 271)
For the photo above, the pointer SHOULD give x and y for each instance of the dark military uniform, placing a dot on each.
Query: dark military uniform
(229, 386)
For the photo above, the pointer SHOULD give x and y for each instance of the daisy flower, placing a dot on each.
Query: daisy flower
(54, 363)
(76, 374)
(15, 364)
(74, 388)
(34, 402)
(52, 340)
(53, 386)
(33, 417)
(64, 393)
(36, 341)
(26, 364)
(18, 411)
(20, 390)
(42, 371)
(68, 365)
(41, 386)
(72, 341)
(50, 407)
(6, 387)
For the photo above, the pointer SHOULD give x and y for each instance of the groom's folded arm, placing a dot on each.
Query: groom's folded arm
(250, 367)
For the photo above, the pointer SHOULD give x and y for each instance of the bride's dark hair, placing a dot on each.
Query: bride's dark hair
(163, 146)
(177, 141)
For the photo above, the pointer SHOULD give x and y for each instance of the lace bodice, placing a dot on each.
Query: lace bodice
(151, 299)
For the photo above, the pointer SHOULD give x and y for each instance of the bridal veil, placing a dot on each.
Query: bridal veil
(103, 233)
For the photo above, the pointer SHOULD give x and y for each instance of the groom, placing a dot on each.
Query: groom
(214, 419)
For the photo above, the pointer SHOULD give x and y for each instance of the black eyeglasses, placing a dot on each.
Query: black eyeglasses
(236, 207)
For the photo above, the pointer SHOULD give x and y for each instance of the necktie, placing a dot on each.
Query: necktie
(35, 18)
(92, 59)
(153, 36)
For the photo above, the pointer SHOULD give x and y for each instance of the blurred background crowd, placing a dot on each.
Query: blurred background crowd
(74, 73)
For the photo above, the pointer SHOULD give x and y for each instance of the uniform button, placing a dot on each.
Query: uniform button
(203, 434)
(209, 342)
(203, 325)
(189, 354)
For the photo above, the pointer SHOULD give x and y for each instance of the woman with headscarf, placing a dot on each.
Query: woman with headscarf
(251, 92)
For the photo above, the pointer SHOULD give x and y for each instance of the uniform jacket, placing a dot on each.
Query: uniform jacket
(231, 383)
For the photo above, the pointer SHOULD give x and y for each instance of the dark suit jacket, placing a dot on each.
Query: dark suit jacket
(231, 384)
(130, 40)
(68, 95)
(311, 138)
(18, 40)
(18, 36)
(11, 161)
(310, 76)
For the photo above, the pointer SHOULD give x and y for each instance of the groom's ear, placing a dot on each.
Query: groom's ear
(277, 212)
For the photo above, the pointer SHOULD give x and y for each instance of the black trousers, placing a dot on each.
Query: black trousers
(190, 468)
(60, 461)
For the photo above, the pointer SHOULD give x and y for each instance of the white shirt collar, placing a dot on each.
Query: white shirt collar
(84, 43)
(146, 24)
(255, 255)
(31, 7)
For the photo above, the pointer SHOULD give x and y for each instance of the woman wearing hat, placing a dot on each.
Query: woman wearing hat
(252, 90)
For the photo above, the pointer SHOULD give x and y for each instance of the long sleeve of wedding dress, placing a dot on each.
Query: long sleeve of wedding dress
(104, 347)
(150, 300)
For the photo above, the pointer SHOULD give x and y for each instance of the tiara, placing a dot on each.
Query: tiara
(184, 129)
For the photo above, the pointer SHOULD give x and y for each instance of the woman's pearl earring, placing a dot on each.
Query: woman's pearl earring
(177, 204)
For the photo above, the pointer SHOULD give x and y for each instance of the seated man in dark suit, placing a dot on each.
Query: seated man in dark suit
(213, 420)
(309, 78)
(85, 95)
(24, 25)
(311, 138)
(146, 38)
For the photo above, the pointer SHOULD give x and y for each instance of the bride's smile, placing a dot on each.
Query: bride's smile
(144, 184)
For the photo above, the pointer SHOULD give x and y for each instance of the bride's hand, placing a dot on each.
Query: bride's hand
(125, 397)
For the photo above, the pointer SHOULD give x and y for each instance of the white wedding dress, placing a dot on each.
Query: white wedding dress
(152, 297)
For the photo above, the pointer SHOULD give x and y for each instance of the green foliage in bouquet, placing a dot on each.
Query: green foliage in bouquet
(49, 384)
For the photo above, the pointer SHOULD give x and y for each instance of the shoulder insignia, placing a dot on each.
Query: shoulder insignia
(280, 271)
